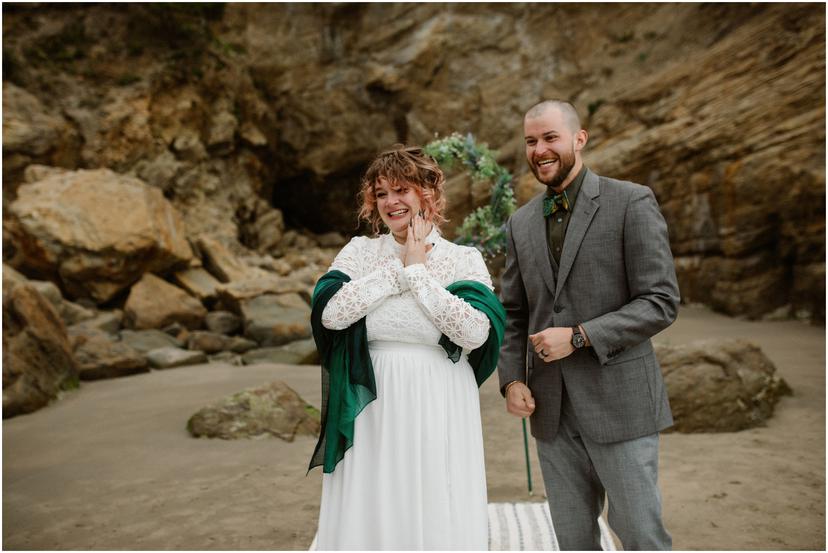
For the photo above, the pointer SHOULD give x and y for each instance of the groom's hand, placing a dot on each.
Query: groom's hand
(553, 343)
(519, 400)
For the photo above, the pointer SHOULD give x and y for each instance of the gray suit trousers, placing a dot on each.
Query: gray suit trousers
(578, 472)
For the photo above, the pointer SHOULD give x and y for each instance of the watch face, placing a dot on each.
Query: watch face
(578, 340)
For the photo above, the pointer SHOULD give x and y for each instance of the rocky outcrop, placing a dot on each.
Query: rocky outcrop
(719, 385)
(37, 355)
(262, 117)
(223, 322)
(273, 320)
(32, 134)
(299, 352)
(732, 141)
(96, 231)
(171, 357)
(212, 342)
(105, 321)
(270, 410)
(155, 303)
(147, 340)
(100, 356)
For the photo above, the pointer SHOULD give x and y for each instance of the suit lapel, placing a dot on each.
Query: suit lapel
(585, 208)
(540, 249)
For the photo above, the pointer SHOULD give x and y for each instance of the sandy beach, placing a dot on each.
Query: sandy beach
(111, 465)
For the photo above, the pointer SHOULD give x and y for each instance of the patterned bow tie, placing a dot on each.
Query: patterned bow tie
(553, 203)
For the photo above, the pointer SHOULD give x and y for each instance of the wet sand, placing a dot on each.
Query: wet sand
(111, 466)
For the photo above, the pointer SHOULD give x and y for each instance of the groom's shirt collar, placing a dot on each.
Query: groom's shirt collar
(557, 223)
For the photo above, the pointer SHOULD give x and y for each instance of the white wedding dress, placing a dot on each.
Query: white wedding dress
(414, 477)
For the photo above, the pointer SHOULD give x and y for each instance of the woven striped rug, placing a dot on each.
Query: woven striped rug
(528, 527)
(525, 527)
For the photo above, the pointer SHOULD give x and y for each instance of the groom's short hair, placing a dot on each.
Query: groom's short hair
(566, 108)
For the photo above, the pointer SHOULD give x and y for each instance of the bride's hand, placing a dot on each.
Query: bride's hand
(415, 245)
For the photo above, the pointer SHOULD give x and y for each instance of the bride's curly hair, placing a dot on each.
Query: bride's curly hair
(404, 167)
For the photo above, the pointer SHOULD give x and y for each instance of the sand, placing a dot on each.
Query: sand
(111, 466)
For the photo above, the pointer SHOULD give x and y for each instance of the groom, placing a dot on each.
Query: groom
(589, 278)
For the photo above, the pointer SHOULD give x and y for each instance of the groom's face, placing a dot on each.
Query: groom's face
(550, 148)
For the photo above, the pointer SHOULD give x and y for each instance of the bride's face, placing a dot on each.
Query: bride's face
(396, 205)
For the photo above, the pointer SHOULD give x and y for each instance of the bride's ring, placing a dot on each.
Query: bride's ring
(542, 353)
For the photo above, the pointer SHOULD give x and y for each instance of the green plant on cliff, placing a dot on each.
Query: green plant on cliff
(485, 227)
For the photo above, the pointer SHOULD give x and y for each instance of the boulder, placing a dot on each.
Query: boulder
(208, 342)
(273, 320)
(32, 134)
(719, 385)
(238, 344)
(145, 341)
(170, 357)
(234, 293)
(227, 357)
(104, 321)
(36, 172)
(221, 262)
(222, 133)
(198, 282)
(223, 322)
(71, 313)
(175, 329)
(154, 303)
(300, 352)
(95, 230)
(331, 239)
(37, 354)
(270, 410)
(101, 357)
(12, 277)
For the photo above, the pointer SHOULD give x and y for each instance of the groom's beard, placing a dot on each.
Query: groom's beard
(566, 163)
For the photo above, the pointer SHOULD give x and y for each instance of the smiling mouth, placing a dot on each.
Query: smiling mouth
(546, 162)
(397, 213)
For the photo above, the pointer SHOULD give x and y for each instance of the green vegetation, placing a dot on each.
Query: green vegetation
(484, 228)
(313, 412)
(70, 383)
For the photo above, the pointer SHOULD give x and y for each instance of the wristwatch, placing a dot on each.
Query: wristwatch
(578, 340)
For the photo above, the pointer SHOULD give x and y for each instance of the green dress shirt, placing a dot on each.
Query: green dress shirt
(557, 223)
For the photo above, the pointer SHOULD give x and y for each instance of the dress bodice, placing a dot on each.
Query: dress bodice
(408, 304)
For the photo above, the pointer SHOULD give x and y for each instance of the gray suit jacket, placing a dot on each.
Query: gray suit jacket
(617, 279)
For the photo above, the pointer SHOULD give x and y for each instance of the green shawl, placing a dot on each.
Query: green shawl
(347, 373)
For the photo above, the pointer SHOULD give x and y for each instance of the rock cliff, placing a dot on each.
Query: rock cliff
(250, 118)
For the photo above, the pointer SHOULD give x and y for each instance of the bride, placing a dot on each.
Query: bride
(408, 327)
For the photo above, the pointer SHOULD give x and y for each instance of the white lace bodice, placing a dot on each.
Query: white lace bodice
(408, 304)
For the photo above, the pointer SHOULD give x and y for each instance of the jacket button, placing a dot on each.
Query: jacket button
(557, 309)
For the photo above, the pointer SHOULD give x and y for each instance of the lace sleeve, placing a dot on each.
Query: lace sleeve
(463, 324)
(365, 291)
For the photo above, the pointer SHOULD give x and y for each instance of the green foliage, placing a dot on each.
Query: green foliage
(484, 228)
(70, 383)
(313, 412)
